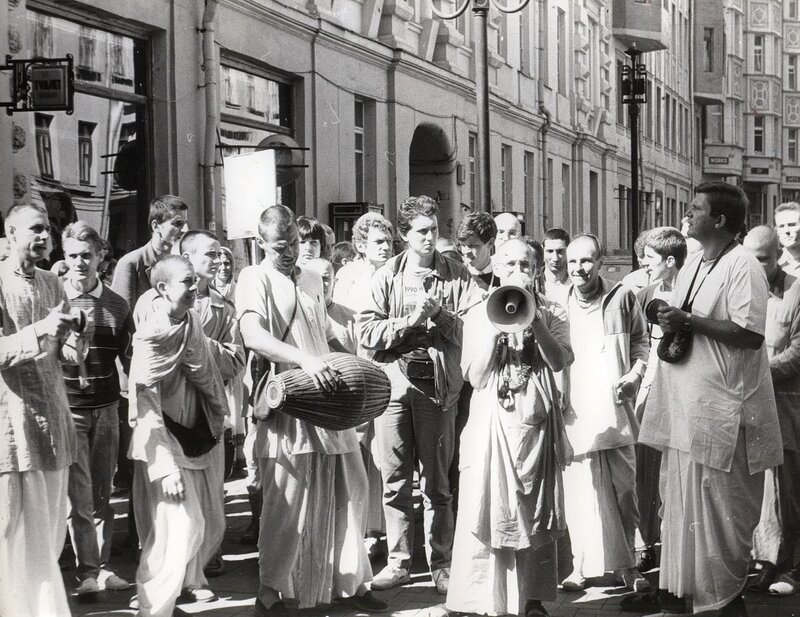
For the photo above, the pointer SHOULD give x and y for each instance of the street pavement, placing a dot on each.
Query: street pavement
(236, 588)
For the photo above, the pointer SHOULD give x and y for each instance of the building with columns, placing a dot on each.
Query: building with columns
(378, 98)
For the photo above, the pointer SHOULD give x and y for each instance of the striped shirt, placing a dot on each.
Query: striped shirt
(111, 340)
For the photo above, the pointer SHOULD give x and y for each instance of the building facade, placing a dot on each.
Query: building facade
(378, 98)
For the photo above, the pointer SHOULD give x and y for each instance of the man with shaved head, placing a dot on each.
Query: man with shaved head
(38, 442)
(514, 449)
(508, 227)
(776, 536)
(610, 342)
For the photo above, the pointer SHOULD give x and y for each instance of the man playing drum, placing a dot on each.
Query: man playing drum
(313, 479)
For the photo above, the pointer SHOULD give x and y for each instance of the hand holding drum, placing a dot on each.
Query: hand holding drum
(324, 375)
(361, 392)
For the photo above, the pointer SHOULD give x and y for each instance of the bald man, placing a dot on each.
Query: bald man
(514, 448)
(508, 227)
(610, 342)
(776, 537)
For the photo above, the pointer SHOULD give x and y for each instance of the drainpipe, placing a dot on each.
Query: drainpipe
(211, 71)
(545, 112)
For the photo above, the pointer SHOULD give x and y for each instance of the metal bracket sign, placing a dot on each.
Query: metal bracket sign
(634, 84)
(40, 84)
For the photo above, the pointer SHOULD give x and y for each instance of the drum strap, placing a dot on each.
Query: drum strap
(261, 368)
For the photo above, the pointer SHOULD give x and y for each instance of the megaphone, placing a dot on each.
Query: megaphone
(510, 308)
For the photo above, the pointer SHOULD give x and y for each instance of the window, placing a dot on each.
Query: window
(525, 41)
(85, 151)
(359, 149)
(716, 122)
(591, 59)
(87, 44)
(792, 9)
(258, 104)
(121, 59)
(792, 72)
(708, 50)
(562, 52)
(42, 35)
(44, 146)
(791, 146)
(648, 124)
(502, 36)
(758, 53)
(667, 117)
(529, 173)
(736, 122)
(505, 177)
(758, 134)
(657, 103)
(776, 137)
(594, 202)
(566, 194)
(473, 170)
(673, 125)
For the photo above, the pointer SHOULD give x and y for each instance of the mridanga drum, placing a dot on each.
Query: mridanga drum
(362, 395)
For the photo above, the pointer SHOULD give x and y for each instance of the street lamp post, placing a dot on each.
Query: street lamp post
(634, 93)
(480, 10)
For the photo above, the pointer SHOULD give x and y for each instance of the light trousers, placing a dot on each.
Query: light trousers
(33, 525)
(171, 534)
(602, 510)
(709, 519)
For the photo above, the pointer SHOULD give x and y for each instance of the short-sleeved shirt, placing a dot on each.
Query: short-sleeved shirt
(698, 404)
(266, 292)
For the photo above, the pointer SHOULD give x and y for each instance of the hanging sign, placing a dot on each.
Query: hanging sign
(250, 188)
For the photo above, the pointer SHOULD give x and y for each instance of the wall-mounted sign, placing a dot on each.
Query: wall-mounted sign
(794, 179)
(49, 87)
(718, 160)
(759, 171)
(40, 84)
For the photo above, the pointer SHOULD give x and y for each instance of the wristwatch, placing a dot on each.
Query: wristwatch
(687, 325)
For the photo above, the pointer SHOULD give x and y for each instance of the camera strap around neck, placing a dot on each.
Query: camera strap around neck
(687, 303)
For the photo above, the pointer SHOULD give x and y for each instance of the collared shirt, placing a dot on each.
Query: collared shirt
(556, 290)
(36, 429)
(698, 404)
(789, 264)
(99, 385)
(132, 275)
(782, 339)
(271, 295)
(484, 278)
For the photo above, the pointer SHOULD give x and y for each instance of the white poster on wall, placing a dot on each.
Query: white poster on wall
(249, 188)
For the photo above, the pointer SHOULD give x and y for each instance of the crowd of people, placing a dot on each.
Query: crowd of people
(654, 422)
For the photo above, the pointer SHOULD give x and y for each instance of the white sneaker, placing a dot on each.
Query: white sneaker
(110, 581)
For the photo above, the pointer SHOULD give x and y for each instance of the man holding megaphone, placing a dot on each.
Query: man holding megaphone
(513, 447)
